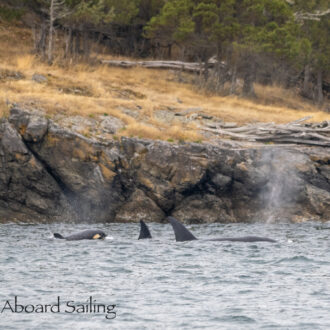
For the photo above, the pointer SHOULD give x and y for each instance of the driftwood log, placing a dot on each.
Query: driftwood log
(173, 65)
(293, 132)
(192, 67)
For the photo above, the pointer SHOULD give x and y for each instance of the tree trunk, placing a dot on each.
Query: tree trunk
(77, 43)
(206, 70)
(51, 30)
(307, 76)
(169, 51)
(40, 46)
(35, 38)
(319, 89)
(249, 77)
(86, 45)
(233, 79)
(219, 77)
(68, 43)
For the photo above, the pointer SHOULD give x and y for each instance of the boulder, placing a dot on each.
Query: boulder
(27, 191)
(110, 124)
(32, 126)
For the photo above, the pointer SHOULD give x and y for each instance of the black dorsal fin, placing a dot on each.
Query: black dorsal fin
(181, 232)
(144, 231)
(56, 235)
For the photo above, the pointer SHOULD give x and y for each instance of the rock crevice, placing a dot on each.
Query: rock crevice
(49, 173)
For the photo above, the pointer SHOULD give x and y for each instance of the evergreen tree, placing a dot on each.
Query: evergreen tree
(236, 29)
(84, 16)
(314, 20)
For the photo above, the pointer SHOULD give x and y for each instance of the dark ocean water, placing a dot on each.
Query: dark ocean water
(162, 284)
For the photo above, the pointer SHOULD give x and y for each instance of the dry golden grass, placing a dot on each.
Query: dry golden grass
(4, 109)
(157, 133)
(86, 90)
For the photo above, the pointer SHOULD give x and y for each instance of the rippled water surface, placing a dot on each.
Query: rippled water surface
(162, 284)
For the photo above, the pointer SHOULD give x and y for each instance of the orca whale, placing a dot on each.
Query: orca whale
(144, 231)
(182, 234)
(85, 234)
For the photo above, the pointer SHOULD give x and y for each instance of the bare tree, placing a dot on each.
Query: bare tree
(51, 29)
(55, 10)
(40, 36)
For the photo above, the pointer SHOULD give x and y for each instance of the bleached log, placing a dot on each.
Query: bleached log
(299, 141)
(299, 120)
(172, 65)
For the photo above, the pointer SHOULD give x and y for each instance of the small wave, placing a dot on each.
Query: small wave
(295, 259)
(322, 228)
(239, 318)
(246, 291)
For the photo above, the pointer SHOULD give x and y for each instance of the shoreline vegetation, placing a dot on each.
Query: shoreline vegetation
(145, 102)
(142, 99)
(84, 141)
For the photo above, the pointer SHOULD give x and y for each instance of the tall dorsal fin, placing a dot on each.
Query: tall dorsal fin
(144, 231)
(181, 232)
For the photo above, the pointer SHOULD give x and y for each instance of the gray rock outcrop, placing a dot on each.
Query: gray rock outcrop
(50, 173)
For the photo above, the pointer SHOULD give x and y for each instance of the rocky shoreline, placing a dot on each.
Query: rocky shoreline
(51, 173)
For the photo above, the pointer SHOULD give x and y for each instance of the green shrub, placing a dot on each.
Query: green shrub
(10, 14)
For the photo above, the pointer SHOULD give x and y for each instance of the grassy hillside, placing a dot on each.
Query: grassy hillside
(89, 90)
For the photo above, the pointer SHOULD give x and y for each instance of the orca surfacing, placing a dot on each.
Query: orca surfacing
(182, 234)
(85, 234)
(144, 231)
